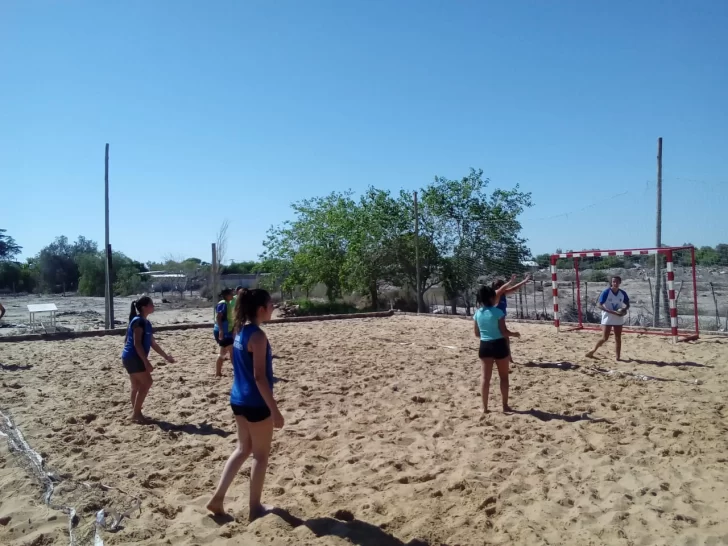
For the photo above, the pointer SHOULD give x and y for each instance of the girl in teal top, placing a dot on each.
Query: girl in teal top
(490, 328)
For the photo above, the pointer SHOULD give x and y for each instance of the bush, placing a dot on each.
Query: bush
(598, 276)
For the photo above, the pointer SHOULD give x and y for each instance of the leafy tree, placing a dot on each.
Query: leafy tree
(8, 247)
(479, 233)
(240, 268)
(314, 245)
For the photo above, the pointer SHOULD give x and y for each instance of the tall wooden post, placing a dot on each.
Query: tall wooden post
(658, 243)
(420, 303)
(213, 283)
(109, 296)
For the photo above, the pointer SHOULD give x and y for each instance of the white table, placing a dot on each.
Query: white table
(42, 308)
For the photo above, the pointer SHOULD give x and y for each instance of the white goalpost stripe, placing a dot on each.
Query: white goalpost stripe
(606, 254)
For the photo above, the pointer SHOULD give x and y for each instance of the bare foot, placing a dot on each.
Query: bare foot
(140, 419)
(261, 511)
(216, 507)
(590, 354)
(218, 375)
(507, 409)
(486, 410)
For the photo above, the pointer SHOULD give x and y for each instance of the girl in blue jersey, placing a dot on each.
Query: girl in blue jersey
(251, 399)
(502, 289)
(223, 328)
(135, 355)
(490, 328)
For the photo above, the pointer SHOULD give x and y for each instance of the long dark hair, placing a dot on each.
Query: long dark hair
(247, 305)
(486, 296)
(497, 284)
(136, 310)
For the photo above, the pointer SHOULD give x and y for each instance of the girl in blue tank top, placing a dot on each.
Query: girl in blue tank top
(251, 400)
(135, 354)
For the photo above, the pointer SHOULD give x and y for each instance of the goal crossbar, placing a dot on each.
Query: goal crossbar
(668, 252)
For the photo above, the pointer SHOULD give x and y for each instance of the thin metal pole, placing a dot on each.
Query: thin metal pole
(420, 306)
(658, 274)
(110, 267)
(107, 286)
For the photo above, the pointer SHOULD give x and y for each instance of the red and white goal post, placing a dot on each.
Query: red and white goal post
(673, 331)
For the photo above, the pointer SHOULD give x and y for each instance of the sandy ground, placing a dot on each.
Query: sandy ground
(385, 441)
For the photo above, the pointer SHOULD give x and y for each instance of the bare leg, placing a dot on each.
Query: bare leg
(261, 435)
(486, 367)
(503, 370)
(605, 337)
(134, 388)
(618, 340)
(232, 467)
(145, 383)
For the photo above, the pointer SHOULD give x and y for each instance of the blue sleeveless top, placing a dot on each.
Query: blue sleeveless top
(245, 391)
(129, 351)
(503, 304)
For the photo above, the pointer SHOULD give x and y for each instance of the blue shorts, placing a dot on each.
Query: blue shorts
(226, 341)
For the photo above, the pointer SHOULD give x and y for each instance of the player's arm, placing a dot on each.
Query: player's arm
(625, 302)
(602, 300)
(221, 316)
(476, 330)
(505, 332)
(500, 292)
(138, 332)
(516, 287)
(161, 352)
(258, 345)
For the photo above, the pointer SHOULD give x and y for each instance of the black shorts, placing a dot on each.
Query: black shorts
(252, 414)
(497, 349)
(134, 364)
(226, 341)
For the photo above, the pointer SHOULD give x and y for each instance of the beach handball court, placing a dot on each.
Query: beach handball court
(385, 441)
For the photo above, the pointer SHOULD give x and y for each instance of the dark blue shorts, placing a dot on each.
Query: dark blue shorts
(134, 364)
(252, 414)
(226, 341)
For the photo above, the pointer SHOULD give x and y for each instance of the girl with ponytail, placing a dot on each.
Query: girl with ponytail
(251, 399)
(135, 355)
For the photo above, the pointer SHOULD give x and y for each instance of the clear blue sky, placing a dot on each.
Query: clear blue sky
(235, 109)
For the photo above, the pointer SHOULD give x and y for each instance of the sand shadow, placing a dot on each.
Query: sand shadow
(355, 531)
(546, 416)
(14, 367)
(564, 366)
(277, 379)
(661, 364)
(203, 429)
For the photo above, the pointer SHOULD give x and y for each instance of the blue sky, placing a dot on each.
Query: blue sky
(236, 109)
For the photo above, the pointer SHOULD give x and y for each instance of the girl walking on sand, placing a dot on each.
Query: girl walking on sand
(135, 355)
(251, 400)
(490, 328)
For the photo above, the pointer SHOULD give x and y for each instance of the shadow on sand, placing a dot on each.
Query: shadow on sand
(661, 364)
(564, 366)
(546, 416)
(349, 528)
(203, 429)
(14, 367)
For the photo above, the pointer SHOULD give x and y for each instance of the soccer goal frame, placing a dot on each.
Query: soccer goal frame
(668, 252)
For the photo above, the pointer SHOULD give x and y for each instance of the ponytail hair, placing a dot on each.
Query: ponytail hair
(248, 304)
(136, 309)
(486, 296)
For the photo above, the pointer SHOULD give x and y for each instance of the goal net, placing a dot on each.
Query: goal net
(661, 305)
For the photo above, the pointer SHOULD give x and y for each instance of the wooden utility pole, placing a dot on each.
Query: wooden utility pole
(420, 303)
(213, 284)
(109, 299)
(658, 243)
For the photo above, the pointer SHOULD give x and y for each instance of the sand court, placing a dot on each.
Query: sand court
(385, 441)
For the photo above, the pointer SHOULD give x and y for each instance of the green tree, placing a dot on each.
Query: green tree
(8, 247)
(479, 233)
(314, 244)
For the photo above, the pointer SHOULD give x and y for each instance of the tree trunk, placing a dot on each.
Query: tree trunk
(454, 305)
(374, 295)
